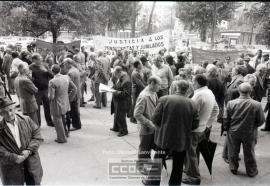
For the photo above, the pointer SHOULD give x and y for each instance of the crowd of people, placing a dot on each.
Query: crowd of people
(174, 102)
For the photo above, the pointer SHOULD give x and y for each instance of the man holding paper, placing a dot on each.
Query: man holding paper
(121, 101)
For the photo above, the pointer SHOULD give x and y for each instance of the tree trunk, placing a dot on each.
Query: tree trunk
(133, 19)
(149, 30)
(54, 35)
(213, 25)
(203, 33)
(251, 33)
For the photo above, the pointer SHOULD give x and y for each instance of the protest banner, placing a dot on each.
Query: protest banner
(199, 55)
(45, 48)
(151, 43)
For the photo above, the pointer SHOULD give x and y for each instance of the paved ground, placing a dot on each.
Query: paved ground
(84, 159)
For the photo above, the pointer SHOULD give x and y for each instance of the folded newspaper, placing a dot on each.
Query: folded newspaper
(105, 88)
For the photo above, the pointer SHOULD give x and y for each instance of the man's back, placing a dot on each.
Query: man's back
(41, 76)
(60, 102)
(75, 77)
(243, 115)
(176, 116)
(26, 92)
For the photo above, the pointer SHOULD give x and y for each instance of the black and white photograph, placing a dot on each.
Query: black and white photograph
(135, 93)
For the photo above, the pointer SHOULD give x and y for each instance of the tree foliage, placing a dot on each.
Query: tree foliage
(85, 17)
(198, 16)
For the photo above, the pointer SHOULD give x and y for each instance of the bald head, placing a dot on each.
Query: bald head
(244, 88)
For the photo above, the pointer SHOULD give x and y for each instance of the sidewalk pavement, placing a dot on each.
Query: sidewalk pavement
(84, 159)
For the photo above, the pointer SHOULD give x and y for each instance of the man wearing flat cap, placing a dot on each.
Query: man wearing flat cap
(242, 118)
(20, 139)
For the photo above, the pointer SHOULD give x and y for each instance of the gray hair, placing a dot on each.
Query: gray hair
(154, 79)
(182, 87)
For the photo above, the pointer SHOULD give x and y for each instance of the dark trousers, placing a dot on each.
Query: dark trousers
(33, 116)
(120, 123)
(248, 143)
(11, 87)
(145, 147)
(42, 98)
(73, 116)
(267, 122)
(162, 92)
(177, 167)
(134, 100)
(100, 97)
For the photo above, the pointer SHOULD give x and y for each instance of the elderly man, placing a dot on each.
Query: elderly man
(208, 110)
(138, 84)
(173, 131)
(61, 90)
(102, 75)
(243, 131)
(19, 142)
(259, 89)
(121, 101)
(143, 112)
(79, 58)
(41, 75)
(7, 61)
(258, 59)
(164, 72)
(217, 87)
(26, 91)
(73, 116)
(238, 74)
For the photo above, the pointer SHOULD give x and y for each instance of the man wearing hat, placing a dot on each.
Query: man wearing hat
(250, 69)
(20, 139)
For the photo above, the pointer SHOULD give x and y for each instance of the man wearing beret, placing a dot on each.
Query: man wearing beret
(20, 139)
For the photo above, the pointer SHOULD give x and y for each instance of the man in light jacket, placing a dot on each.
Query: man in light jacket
(143, 112)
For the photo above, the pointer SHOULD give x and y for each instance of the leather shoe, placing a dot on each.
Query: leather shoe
(96, 107)
(122, 134)
(112, 129)
(57, 141)
(265, 130)
(144, 171)
(254, 174)
(191, 182)
(234, 172)
(91, 99)
(145, 182)
(226, 160)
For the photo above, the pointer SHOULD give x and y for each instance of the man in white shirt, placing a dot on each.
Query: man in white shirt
(208, 110)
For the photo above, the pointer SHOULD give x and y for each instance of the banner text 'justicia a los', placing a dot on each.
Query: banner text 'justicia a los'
(151, 43)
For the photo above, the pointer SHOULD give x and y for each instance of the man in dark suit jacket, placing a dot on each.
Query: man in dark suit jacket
(121, 101)
(20, 139)
(259, 89)
(26, 91)
(216, 86)
(175, 117)
(138, 85)
(41, 76)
